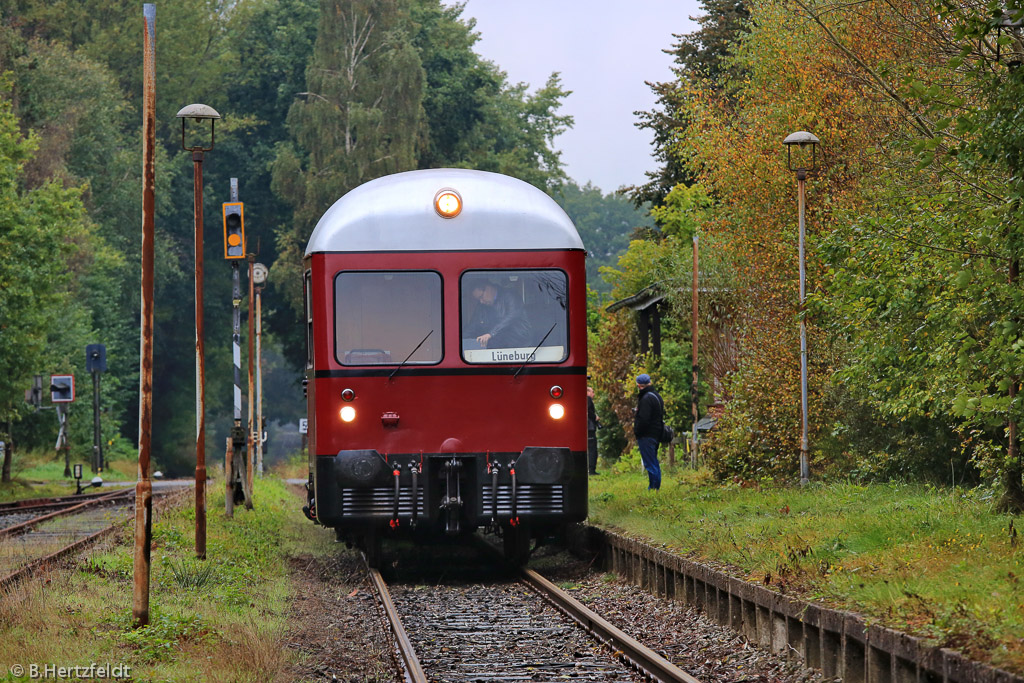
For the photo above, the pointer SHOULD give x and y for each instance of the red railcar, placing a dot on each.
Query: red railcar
(446, 366)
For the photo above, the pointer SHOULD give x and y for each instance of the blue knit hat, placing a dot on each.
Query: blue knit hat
(643, 379)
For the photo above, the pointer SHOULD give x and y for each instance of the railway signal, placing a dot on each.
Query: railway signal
(34, 396)
(96, 363)
(236, 472)
(62, 388)
(234, 230)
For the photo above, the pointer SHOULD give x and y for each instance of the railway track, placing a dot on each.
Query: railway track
(56, 528)
(55, 501)
(20, 516)
(517, 627)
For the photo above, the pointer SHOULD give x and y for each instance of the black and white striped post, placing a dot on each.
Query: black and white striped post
(237, 432)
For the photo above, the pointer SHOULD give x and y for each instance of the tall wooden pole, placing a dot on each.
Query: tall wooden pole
(197, 191)
(250, 443)
(695, 387)
(144, 487)
(801, 176)
(259, 381)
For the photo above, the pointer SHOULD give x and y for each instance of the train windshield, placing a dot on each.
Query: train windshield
(514, 316)
(381, 317)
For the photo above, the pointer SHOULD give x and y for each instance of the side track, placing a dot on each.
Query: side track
(27, 546)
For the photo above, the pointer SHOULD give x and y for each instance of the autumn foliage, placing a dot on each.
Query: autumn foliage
(913, 234)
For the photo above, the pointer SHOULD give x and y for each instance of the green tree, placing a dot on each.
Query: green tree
(701, 55)
(48, 244)
(74, 105)
(394, 86)
(604, 222)
(361, 117)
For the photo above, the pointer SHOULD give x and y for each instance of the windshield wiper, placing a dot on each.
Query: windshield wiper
(539, 344)
(410, 355)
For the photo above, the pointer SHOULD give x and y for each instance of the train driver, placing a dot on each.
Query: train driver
(499, 317)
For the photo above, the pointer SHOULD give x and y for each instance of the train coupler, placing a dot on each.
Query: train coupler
(495, 467)
(394, 515)
(515, 512)
(415, 471)
(452, 501)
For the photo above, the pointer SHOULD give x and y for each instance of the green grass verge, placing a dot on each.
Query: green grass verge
(41, 475)
(19, 489)
(222, 619)
(936, 562)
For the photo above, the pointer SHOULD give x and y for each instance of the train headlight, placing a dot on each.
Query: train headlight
(556, 411)
(348, 413)
(448, 203)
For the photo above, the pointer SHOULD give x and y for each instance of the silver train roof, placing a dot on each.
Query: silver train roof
(396, 213)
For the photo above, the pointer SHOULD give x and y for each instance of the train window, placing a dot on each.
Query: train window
(514, 316)
(385, 318)
(307, 296)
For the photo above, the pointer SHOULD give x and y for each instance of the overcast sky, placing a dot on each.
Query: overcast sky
(604, 50)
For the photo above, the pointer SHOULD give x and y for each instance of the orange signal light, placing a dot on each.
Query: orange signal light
(448, 203)
(234, 230)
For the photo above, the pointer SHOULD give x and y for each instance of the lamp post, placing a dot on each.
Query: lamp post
(694, 386)
(803, 140)
(259, 276)
(199, 112)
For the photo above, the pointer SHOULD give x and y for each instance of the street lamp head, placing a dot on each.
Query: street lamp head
(197, 112)
(1011, 22)
(803, 139)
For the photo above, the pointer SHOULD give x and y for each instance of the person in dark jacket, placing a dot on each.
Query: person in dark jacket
(592, 426)
(648, 424)
(502, 318)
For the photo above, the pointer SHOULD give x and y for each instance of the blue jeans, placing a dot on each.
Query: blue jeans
(649, 455)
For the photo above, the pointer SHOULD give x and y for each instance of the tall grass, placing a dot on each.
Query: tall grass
(937, 562)
(222, 619)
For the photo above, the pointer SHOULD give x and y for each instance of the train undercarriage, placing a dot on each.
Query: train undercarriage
(368, 497)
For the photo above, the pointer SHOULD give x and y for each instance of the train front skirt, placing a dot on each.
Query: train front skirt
(360, 492)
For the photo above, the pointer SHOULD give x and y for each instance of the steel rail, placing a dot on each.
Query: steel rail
(28, 569)
(170, 498)
(24, 526)
(625, 647)
(404, 646)
(28, 503)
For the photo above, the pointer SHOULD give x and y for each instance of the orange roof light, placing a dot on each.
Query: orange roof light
(447, 203)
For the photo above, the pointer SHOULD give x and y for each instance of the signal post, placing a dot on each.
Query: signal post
(236, 469)
(62, 392)
(95, 364)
